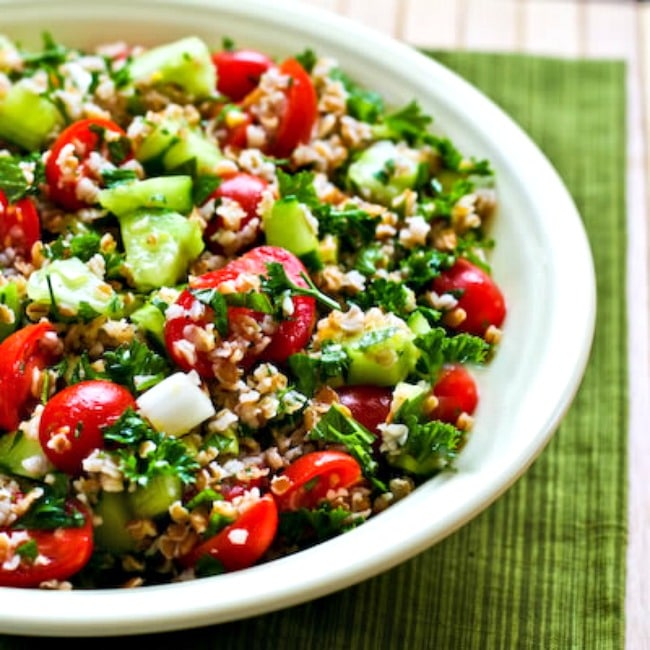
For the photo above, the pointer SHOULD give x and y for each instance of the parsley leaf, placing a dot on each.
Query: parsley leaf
(312, 370)
(13, 181)
(278, 284)
(305, 527)
(336, 427)
(353, 226)
(364, 105)
(408, 123)
(51, 511)
(299, 186)
(139, 462)
(423, 265)
(307, 59)
(430, 446)
(438, 348)
(135, 366)
(391, 296)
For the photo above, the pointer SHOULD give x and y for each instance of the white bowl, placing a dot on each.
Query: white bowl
(542, 262)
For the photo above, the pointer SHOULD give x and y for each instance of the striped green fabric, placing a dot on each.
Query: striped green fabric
(544, 567)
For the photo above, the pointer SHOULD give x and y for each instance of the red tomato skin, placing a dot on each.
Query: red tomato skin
(477, 293)
(369, 405)
(239, 71)
(81, 411)
(457, 393)
(21, 353)
(20, 225)
(237, 136)
(245, 189)
(311, 476)
(300, 113)
(259, 524)
(68, 550)
(174, 332)
(291, 335)
(80, 134)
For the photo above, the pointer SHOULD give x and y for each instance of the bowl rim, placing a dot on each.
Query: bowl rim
(255, 591)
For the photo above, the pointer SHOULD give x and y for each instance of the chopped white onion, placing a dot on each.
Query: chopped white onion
(177, 404)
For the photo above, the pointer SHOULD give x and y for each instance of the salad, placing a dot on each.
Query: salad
(242, 300)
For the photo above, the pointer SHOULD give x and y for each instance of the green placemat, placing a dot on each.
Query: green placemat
(544, 567)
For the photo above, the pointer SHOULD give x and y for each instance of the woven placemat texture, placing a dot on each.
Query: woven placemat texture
(543, 567)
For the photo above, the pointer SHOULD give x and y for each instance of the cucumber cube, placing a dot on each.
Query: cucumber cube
(159, 247)
(170, 192)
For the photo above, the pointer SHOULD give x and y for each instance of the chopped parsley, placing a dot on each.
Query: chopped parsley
(163, 455)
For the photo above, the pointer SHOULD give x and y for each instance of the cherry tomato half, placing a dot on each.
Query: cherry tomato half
(457, 393)
(242, 543)
(22, 353)
(69, 159)
(20, 226)
(290, 336)
(67, 551)
(247, 190)
(239, 71)
(477, 294)
(300, 112)
(369, 405)
(311, 477)
(73, 420)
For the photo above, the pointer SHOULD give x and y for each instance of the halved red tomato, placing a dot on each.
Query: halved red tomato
(477, 294)
(300, 113)
(457, 393)
(242, 543)
(73, 420)
(20, 225)
(369, 405)
(61, 553)
(70, 161)
(29, 349)
(245, 189)
(239, 71)
(290, 336)
(312, 476)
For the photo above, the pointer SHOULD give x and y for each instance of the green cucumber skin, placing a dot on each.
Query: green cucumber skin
(15, 449)
(26, 118)
(159, 246)
(185, 63)
(369, 174)
(154, 499)
(169, 192)
(286, 225)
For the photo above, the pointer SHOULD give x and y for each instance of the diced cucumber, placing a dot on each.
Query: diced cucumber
(174, 146)
(381, 357)
(150, 319)
(115, 512)
(23, 456)
(170, 192)
(69, 286)
(158, 140)
(193, 151)
(13, 309)
(27, 118)
(226, 442)
(418, 323)
(159, 247)
(185, 63)
(384, 170)
(289, 224)
(154, 498)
